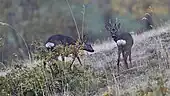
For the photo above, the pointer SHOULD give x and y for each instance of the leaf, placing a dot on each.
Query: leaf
(150, 94)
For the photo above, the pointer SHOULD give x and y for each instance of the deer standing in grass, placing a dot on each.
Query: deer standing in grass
(56, 40)
(123, 40)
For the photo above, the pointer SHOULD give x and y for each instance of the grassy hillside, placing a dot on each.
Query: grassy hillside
(148, 75)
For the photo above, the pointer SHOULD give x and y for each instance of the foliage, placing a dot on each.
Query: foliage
(48, 77)
(158, 89)
(137, 7)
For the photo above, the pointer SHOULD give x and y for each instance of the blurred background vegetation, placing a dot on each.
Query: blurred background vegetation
(38, 19)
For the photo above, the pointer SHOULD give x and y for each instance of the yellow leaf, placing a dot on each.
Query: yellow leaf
(163, 89)
(150, 93)
(145, 95)
(105, 94)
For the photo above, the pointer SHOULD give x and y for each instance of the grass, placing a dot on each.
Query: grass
(56, 79)
(45, 76)
(52, 79)
(49, 77)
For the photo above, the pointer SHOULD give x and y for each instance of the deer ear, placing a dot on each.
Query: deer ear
(107, 27)
(111, 33)
(115, 25)
(85, 38)
(118, 26)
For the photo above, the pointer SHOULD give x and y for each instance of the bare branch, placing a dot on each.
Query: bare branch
(73, 19)
(82, 31)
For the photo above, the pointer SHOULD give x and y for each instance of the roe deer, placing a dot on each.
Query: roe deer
(147, 21)
(123, 40)
(58, 39)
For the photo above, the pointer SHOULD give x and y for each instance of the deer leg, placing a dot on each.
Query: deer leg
(79, 60)
(130, 58)
(56, 58)
(72, 61)
(118, 59)
(63, 59)
(125, 54)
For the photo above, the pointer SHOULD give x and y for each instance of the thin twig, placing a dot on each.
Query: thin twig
(3, 65)
(6, 24)
(82, 31)
(73, 19)
(117, 85)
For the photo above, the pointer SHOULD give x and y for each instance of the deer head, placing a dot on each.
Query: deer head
(112, 28)
(86, 46)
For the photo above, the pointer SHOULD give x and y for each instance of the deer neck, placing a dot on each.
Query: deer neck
(115, 38)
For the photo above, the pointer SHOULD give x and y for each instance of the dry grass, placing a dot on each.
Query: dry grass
(148, 76)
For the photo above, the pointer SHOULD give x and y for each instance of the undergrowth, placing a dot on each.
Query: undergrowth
(49, 80)
(50, 77)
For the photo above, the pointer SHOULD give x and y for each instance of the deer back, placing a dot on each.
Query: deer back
(66, 41)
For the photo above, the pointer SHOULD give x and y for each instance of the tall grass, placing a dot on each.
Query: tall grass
(148, 76)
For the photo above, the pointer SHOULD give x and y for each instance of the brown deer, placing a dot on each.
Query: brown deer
(123, 40)
(56, 40)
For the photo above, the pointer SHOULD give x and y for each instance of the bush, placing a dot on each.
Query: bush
(47, 80)
(48, 77)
